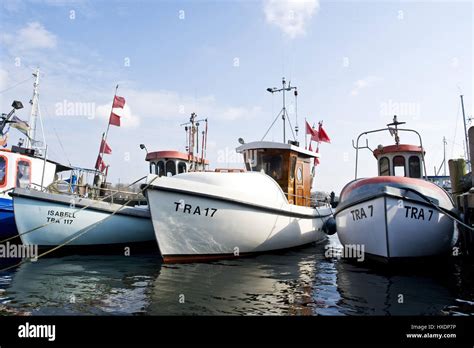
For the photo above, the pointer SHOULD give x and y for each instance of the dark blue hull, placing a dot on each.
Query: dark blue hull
(7, 219)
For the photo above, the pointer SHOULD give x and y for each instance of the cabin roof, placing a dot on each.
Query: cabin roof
(170, 154)
(59, 167)
(275, 145)
(397, 148)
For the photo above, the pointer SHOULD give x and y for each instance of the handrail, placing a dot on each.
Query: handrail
(385, 129)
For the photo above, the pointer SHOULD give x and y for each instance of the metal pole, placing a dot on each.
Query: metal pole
(444, 154)
(44, 167)
(284, 112)
(465, 133)
(34, 111)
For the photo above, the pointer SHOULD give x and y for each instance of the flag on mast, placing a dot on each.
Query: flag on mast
(323, 136)
(114, 119)
(100, 164)
(119, 102)
(105, 148)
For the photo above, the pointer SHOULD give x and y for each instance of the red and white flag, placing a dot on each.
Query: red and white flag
(114, 119)
(323, 136)
(100, 164)
(316, 159)
(105, 148)
(310, 130)
(119, 102)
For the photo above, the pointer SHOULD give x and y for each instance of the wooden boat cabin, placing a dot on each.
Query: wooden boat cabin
(170, 163)
(400, 160)
(288, 164)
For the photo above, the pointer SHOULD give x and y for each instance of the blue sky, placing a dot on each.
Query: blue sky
(354, 63)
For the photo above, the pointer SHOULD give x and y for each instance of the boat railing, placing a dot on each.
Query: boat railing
(89, 191)
(313, 202)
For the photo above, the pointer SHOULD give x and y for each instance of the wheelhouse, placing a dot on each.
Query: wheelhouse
(400, 160)
(288, 164)
(169, 163)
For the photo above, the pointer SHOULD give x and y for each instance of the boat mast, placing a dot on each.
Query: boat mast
(465, 132)
(283, 112)
(31, 138)
(444, 154)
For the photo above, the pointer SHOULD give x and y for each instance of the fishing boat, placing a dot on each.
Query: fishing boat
(25, 164)
(399, 214)
(85, 212)
(228, 213)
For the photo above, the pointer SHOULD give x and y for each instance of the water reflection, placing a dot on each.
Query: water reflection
(299, 282)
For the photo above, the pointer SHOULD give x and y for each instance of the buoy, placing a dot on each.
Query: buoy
(329, 226)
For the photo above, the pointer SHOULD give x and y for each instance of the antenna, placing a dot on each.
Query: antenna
(31, 138)
(394, 132)
(283, 112)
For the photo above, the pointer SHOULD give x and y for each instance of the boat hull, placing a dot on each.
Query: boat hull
(391, 223)
(62, 219)
(195, 226)
(7, 219)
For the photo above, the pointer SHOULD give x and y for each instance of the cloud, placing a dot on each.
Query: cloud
(168, 105)
(369, 81)
(32, 36)
(291, 16)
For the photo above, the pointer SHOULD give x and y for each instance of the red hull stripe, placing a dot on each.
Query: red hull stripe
(393, 180)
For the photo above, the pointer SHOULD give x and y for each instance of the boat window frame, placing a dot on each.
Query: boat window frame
(5, 178)
(180, 164)
(279, 170)
(388, 166)
(152, 165)
(26, 160)
(173, 173)
(160, 171)
(410, 168)
(404, 166)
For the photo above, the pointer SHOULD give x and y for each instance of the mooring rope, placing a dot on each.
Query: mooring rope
(95, 201)
(77, 235)
(440, 209)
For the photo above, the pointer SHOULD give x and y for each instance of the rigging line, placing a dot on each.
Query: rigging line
(15, 85)
(41, 124)
(61, 145)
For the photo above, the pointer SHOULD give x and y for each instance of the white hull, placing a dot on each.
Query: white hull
(61, 221)
(194, 220)
(391, 227)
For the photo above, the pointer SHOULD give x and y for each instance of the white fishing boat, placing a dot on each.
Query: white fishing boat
(231, 213)
(398, 214)
(25, 164)
(84, 211)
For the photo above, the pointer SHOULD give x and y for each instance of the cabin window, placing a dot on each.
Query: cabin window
(160, 168)
(152, 168)
(3, 171)
(170, 168)
(272, 165)
(399, 166)
(384, 166)
(414, 167)
(292, 167)
(182, 167)
(23, 173)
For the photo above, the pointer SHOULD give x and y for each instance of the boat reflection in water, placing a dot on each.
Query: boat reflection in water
(297, 282)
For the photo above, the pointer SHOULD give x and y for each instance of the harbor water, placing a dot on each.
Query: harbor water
(296, 282)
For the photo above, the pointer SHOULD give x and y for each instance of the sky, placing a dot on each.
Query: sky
(355, 64)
